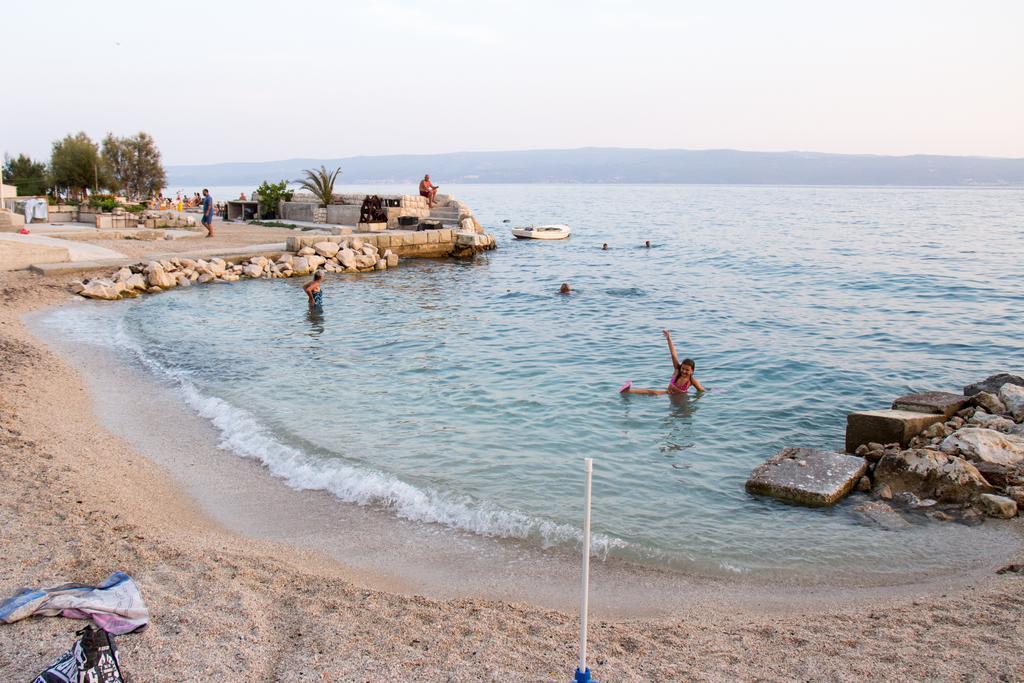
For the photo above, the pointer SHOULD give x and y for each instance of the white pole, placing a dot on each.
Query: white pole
(588, 465)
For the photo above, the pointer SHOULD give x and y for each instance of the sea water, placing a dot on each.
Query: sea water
(465, 394)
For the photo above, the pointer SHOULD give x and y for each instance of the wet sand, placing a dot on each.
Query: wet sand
(240, 589)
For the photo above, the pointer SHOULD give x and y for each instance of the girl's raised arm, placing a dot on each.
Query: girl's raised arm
(671, 348)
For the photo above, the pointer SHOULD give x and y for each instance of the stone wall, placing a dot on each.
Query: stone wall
(343, 214)
(408, 243)
(425, 243)
(297, 211)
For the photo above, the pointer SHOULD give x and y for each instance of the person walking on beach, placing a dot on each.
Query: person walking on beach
(312, 289)
(428, 190)
(682, 377)
(207, 212)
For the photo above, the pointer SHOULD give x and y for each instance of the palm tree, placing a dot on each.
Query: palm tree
(320, 183)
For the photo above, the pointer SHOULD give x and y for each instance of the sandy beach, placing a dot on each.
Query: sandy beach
(78, 502)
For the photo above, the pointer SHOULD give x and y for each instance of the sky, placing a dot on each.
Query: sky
(256, 81)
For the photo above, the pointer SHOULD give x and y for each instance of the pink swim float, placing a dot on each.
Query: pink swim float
(626, 387)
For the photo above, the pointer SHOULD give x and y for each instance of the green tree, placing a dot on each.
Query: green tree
(75, 165)
(320, 183)
(27, 175)
(271, 195)
(133, 165)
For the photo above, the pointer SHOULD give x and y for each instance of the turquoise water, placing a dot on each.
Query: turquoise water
(467, 393)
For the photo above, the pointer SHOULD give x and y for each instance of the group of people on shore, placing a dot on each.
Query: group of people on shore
(179, 203)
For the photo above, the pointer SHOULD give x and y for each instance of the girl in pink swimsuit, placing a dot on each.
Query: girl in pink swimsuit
(682, 377)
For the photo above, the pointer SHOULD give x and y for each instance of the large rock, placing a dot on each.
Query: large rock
(156, 276)
(315, 261)
(930, 474)
(1017, 494)
(807, 476)
(300, 265)
(998, 506)
(995, 422)
(993, 383)
(218, 267)
(252, 270)
(939, 402)
(986, 445)
(102, 288)
(1001, 476)
(882, 514)
(136, 281)
(990, 402)
(1012, 397)
(327, 249)
(886, 426)
(347, 258)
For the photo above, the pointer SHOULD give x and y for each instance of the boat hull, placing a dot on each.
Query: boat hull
(542, 232)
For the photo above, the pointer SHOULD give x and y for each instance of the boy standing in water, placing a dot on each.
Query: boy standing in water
(682, 377)
(312, 290)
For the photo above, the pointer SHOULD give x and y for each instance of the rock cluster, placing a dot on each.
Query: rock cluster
(349, 256)
(970, 464)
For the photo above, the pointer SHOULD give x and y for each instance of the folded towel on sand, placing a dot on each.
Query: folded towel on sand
(116, 605)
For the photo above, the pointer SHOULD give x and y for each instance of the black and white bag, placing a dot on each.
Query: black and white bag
(92, 659)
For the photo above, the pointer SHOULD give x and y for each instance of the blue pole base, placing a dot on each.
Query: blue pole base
(583, 676)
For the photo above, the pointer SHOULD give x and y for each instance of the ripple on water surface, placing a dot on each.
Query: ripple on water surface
(467, 393)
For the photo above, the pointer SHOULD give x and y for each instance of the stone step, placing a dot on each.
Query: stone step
(886, 426)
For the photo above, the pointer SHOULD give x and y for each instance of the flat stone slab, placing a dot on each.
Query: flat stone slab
(992, 384)
(807, 476)
(886, 426)
(940, 402)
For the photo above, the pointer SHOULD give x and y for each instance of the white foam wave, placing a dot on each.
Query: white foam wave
(243, 434)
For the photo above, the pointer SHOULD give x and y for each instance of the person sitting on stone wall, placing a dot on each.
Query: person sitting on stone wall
(428, 190)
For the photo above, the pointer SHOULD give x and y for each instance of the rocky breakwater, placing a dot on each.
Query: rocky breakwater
(951, 457)
(351, 255)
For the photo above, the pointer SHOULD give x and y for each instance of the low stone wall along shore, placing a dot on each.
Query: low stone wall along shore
(303, 256)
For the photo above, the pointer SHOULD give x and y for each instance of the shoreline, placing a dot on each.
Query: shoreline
(243, 495)
(53, 537)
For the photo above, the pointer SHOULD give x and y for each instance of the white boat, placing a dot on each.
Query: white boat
(542, 232)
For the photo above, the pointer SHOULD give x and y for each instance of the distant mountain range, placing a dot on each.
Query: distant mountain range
(614, 165)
